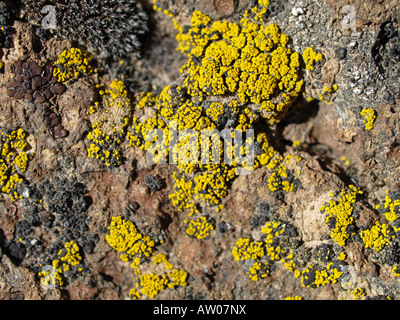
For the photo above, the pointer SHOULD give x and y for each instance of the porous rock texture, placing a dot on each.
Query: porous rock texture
(336, 151)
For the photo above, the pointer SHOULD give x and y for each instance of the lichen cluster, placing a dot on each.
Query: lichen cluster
(339, 215)
(57, 207)
(125, 238)
(199, 228)
(33, 82)
(315, 276)
(138, 249)
(285, 174)
(281, 244)
(311, 57)
(239, 77)
(369, 116)
(377, 236)
(152, 284)
(340, 218)
(14, 160)
(382, 238)
(69, 258)
(72, 64)
(278, 245)
(247, 60)
(109, 118)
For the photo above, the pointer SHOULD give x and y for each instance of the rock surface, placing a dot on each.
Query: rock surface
(336, 150)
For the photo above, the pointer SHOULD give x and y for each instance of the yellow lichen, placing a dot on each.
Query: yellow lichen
(199, 228)
(369, 116)
(126, 239)
(71, 64)
(316, 277)
(14, 160)
(310, 57)
(294, 298)
(109, 119)
(339, 214)
(358, 293)
(391, 207)
(139, 249)
(377, 236)
(245, 249)
(69, 258)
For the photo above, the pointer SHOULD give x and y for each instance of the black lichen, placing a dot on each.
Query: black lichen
(154, 182)
(60, 206)
(6, 19)
(323, 253)
(222, 227)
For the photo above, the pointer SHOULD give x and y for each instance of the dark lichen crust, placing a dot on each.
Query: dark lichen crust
(33, 82)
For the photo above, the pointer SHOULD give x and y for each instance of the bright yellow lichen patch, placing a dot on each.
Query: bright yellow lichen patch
(245, 249)
(310, 57)
(358, 294)
(342, 256)
(126, 239)
(369, 116)
(237, 73)
(199, 228)
(69, 258)
(247, 60)
(278, 246)
(190, 135)
(331, 89)
(391, 207)
(71, 64)
(315, 277)
(259, 270)
(377, 236)
(162, 258)
(396, 271)
(273, 230)
(339, 214)
(137, 248)
(14, 160)
(176, 278)
(282, 178)
(151, 284)
(135, 294)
